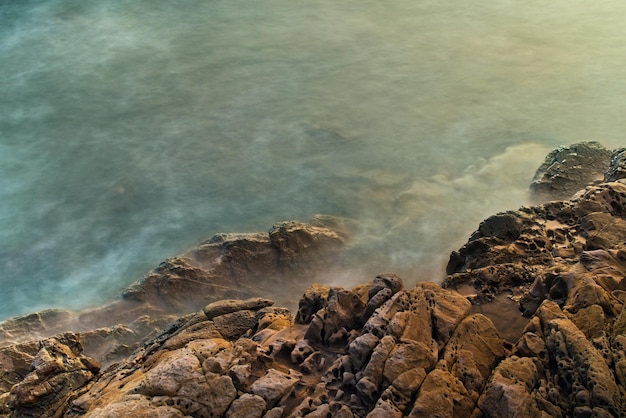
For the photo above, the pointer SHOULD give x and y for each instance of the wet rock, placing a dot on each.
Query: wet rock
(377, 349)
(241, 265)
(40, 325)
(567, 170)
(341, 314)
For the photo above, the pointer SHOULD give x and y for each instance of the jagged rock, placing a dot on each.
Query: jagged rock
(449, 367)
(40, 324)
(475, 341)
(617, 168)
(376, 350)
(274, 386)
(378, 321)
(314, 299)
(247, 406)
(408, 356)
(385, 281)
(586, 379)
(226, 266)
(442, 395)
(448, 309)
(110, 343)
(361, 348)
(56, 372)
(566, 170)
(509, 390)
(368, 386)
(341, 314)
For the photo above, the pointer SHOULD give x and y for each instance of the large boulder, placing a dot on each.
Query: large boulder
(566, 170)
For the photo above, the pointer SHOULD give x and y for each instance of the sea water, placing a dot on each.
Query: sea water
(132, 130)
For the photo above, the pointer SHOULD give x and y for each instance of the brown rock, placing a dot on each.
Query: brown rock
(448, 309)
(314, 299)
(222, 307)
(274, 386)
(581, 367)
(247, 406)
(408, 356)
(476, 342)
(509, 391)
(442, 395)
(57, 370)
(341, 314)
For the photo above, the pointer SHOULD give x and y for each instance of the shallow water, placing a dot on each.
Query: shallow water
(131, 130)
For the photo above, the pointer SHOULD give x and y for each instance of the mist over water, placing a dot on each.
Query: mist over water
(131, 130)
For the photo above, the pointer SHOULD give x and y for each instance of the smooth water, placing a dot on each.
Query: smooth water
(131, 130)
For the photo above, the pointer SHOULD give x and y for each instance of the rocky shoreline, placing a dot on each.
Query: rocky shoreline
(530, 322)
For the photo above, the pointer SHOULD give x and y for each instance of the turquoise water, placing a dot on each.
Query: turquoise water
(131, 130)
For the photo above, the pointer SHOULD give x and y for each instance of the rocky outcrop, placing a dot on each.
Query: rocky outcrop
(343, 360)
(566, 170)
(225, 266)
(530, 322)
(241, 265)
(562, 266)
(48, 373)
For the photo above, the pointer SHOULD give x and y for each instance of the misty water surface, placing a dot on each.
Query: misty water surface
(132, 130)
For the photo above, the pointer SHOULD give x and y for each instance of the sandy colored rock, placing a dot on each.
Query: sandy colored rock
(273, 386)
(579, 364)
(442, 395)
(56, 372)
(509, 390)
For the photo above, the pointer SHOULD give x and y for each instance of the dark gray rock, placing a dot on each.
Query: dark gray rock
(566, 170)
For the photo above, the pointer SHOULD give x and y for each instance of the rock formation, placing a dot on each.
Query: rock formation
(568, 169)
(530, 322)
(225, 266)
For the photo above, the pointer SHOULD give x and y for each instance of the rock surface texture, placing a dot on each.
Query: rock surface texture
(224, 267)
(530, 322)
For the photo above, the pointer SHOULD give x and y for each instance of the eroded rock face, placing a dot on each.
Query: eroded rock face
(571, 252)
(422, 352)
(56, 371)
(365, 364)
(562, 265)
(241, 265)
(531, 322)
(226, 266)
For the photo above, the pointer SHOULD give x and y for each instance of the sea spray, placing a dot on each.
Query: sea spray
(130, 131)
